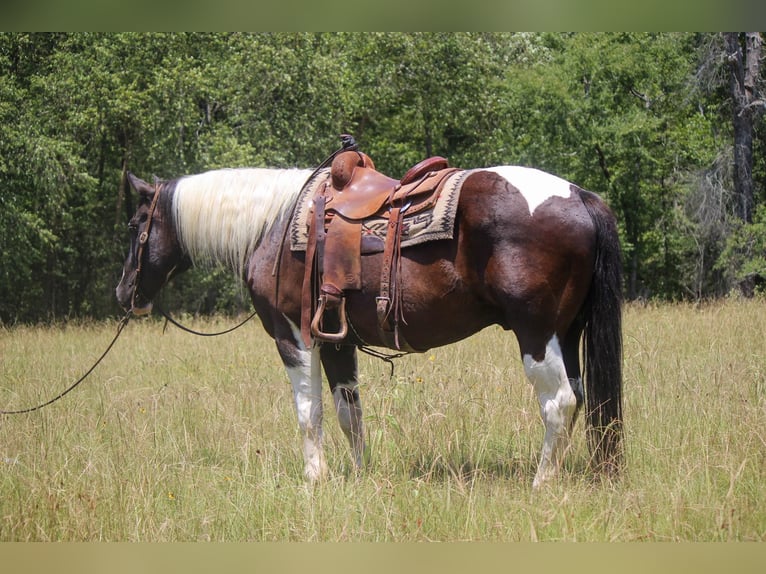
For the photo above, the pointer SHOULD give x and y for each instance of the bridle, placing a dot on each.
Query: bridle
(143, 238)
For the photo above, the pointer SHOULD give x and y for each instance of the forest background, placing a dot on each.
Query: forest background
(667, 127)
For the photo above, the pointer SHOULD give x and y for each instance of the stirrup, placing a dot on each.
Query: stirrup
(316, 331)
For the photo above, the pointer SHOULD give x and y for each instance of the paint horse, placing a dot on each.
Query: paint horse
(528, 251)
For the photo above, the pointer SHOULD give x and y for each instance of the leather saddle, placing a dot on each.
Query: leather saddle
(353, 192)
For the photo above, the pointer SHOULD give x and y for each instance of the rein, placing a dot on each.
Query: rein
(172, 321)
(142, 240)
(123, 323)
(348, 143)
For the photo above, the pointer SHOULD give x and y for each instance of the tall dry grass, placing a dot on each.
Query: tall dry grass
(176, 437)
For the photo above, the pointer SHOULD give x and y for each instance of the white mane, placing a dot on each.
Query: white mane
(222, 215)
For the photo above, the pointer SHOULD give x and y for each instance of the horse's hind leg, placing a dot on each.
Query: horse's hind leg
(304, 370)
(340, 366)
(546, 370)
(571, 355)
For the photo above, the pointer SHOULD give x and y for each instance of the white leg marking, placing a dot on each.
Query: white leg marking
(557, 407)
(306, 380)
(350, 420)
(536, 186)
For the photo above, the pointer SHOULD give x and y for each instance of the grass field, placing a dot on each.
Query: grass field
(183, 438)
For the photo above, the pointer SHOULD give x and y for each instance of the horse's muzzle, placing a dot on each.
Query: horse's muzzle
(131, 300)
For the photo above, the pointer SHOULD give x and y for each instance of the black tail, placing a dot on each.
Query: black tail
(603, 341)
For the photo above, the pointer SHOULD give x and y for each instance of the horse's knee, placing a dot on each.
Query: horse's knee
(349, 410)
(347, 394)
(346, 399)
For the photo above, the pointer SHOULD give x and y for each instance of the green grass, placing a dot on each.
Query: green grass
(182, 438)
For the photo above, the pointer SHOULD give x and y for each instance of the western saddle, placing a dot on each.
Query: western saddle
(353, 192)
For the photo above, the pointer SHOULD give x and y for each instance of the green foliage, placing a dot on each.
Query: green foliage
(745, 252)
(428, 94)
(616, 113)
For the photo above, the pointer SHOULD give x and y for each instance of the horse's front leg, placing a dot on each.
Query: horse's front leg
(340, 366)
(304, 370)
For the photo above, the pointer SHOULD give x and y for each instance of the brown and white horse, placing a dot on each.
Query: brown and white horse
(530, 252)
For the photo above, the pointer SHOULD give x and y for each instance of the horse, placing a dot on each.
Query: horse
(530, 252)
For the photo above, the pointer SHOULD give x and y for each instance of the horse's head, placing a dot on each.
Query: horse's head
(155, 253)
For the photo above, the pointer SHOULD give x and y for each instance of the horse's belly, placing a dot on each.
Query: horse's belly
(438, 307)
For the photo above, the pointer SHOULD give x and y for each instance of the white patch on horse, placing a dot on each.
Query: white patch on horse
(557, 406)
(306, 380)
(536, 186)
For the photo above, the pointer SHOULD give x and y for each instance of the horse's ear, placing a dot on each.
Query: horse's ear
(140, 185)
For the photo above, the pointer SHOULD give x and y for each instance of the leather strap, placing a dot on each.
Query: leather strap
(143, 240)
(313, 264)
(389, 307)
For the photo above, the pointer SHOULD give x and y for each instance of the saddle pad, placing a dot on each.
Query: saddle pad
(430, 225)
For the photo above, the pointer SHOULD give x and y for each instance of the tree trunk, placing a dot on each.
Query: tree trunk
(744, 55)
(119, 217)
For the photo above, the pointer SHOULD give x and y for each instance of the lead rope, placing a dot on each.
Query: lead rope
(123, 323)
(142, 240)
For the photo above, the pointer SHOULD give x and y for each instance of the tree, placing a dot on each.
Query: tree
(743, 52)
(426, 94)
(37, 172)
(730, 75)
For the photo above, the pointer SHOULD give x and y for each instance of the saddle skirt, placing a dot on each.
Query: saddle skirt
(432, 224)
